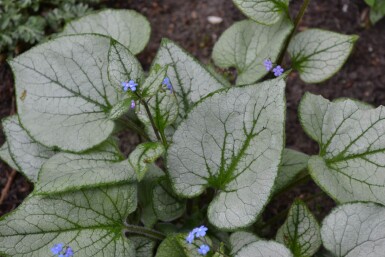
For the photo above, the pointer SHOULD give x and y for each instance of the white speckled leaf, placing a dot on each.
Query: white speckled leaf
(355, 230)
(263, 248)
(154, 81)
(164, 110)
(122, 66)
(119, 109)
(89, 221)
(98, 167)
(190, 80)
(246, 44)
(63, 91)
(263, 11)
(232, 141)
(175, 245)
(240, 239)
(5, 155)
(166, 205)
(293, 162)
(350, 166)
(126, 26)
(300, 232)
(27, 154)
(319, 54)
(144, 247)
(144, 155)
(145, 198)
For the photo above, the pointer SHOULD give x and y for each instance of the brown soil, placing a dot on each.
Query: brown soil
(185, 22)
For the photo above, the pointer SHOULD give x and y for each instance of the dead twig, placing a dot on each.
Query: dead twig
(4, 192)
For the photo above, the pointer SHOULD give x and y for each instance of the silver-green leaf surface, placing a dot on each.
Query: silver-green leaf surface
(144, 155)
(27, 154)
(126, 26)
(263, 11)
(300, 232)
(351, 163)
(319, 54)
(246, 44)
(190, 80)
(263, 248)
(89, 221)
(63, 91)
(5, 155)
(97, 167)
(355, 230)
(232, 141)
(293, 162)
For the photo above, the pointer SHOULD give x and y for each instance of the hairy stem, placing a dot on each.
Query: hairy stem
(142, 231)
(297, 20)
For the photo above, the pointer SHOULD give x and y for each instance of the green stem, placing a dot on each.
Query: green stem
(297, 20)
(142, 231)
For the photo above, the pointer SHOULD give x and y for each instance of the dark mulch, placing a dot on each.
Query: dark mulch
(185, 22)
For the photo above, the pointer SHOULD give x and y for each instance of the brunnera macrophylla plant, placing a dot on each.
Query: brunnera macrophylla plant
(212, 154)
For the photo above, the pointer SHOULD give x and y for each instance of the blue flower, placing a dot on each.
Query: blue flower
(190, 238)
(167, 83)
(201, 231)
(268, 64)
(57, 248)
(278, 71)
(203, 249)
(132, 104)
(129, 85)
(69, 252)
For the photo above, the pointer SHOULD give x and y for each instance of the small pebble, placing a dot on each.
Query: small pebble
(214, 19)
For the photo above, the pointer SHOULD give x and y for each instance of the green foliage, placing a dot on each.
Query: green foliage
(27, 21)
(377, 10)
(211, 154)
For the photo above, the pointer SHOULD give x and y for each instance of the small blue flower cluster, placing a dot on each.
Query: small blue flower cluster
(197, 233)
(168, 84)
(62, 251)
(129, 85)
(278, 70)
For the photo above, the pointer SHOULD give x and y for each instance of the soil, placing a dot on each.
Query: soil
(185, 22)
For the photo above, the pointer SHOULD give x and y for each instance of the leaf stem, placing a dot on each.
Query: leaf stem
(151, 118)
(297, 20)
(149, 233)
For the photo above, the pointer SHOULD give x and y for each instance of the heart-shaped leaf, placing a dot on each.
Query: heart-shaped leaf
(97, 167)
(144, 155)
(300, 232)
(240, 239)
(246, 44)
(27, 154)
(355, 230)
(293, 162)
(264, 249)
(190, 80)
(164, 111)
(232, 141)
(144, 247)
(89, 221)
(166, 205)
(319, 54)
(263, 11)
(175, 245)
(350, 166)
(63, 92)
(5, 155)
(145, 195)
(126, 26)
